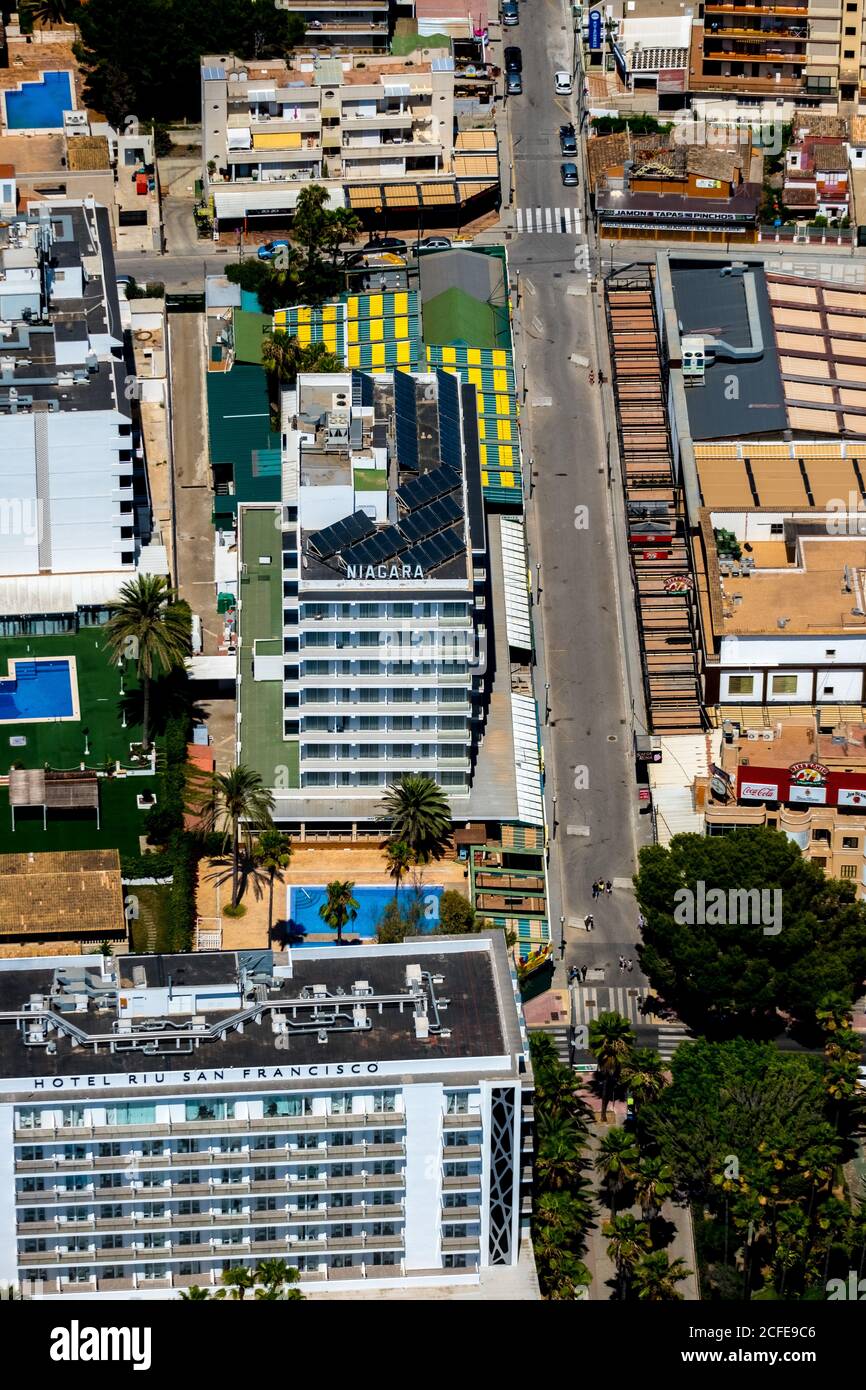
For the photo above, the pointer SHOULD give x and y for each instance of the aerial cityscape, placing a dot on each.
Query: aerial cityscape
(433, 606)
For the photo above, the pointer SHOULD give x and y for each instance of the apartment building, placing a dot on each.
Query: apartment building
(361, 26)
(810, 49)
(71, 475)
(363, 1114)
(268, 128)
(381, 664)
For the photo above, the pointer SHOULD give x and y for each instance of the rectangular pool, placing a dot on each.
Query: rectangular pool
(40, 105)
(304, 904)
(39, 689)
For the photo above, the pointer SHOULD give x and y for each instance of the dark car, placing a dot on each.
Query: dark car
(567, 139)
(513, 60)
(568, 173)
(385, 243)
(510, 13)
(513, 84)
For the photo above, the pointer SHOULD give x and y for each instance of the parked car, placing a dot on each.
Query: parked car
(568, 173)
(385, 243)
(513, 84)
(513, 60)
(271, 249)
(562, 83)
(510, 13)
(434, 243)
(567, 139)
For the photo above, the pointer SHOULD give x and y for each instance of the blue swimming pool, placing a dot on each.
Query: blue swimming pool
(38, 690)
(304, 904)
(40, 105)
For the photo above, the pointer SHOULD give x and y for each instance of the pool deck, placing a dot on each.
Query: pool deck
(311, 865)
(12, 674)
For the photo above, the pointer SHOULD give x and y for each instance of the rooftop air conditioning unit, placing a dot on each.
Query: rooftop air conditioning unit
(694, 357)
(768, 735)
(753, 735)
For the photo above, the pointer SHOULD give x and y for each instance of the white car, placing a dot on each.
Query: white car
(562, 83)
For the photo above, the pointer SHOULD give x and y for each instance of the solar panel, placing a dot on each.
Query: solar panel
(376, 549)
(406, 421)
(426, 521)
(450, 434)
(418, 492)
(332, 539)
(437, 550)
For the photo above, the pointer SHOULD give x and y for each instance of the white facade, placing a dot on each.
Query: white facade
(399, 1168)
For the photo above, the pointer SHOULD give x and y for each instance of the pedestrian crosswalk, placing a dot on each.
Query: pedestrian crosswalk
(670, 1037)
(548, 220)
(592, 1000)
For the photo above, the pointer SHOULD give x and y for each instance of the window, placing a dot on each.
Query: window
(341, 1103)
(105, 1150)
(31, 1153)
(386, 1102)
(188, 1208)
(849, 53)
(850, 842)
(741, 685)
(457, 1102)
(73, 1115)
(368, 610)
(28, 1119)
(454, 1261)
(822, 863)
(287, 1105)
(848, 871)
(187, 1146)
(130, 1115)
(38, 1184)
(784, 685)
(210, 1110)
(830, 651)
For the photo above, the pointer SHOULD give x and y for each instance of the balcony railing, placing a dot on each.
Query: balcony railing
(386, 1119)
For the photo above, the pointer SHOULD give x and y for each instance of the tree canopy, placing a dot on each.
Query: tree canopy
(142, 59)
(733, 975)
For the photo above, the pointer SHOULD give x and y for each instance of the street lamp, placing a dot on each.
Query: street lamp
(538, 582)
(561, 936)
(547, 702)
(531, 465)
(517, 287)
(524, 381)
(86, 733)
(553, 827)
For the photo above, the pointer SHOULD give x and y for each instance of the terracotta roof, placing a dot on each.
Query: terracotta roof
(801, 197)
(832, 157)
(858, 130)
(712, 163)
(88, 152)
(67, 894)
(816, 123)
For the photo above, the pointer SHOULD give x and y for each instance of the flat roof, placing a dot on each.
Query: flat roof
(800, 474)
(467, 985)
(712, 305)
(820, 333)
(809, 596)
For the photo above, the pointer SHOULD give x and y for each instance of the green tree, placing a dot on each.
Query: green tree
(559, 1160)
(236, 1282)
(234, 803)
(653, 1185)
(418, 813)
(274, 853)
(457, 915)
(644, 1073)
(284, 358)
(50, 13)
(610, 1041)
(656, 1278)
(627, 1241)
(151, 627)
(194, 1294)
(617, 1160)
(734, 976)
(277, 1279)
(340, 907)
(398, 858)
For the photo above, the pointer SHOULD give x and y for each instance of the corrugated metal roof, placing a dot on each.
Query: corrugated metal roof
(60, 593)
(527, 766)
(214, 74)
(517, 620)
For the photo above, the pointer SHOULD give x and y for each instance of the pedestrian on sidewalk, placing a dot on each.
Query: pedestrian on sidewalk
(629, 965)
(600, 887)
(641, 921)
(621, 964)
(595, 890)
(608, 887)
(583, 970)
(588, 922)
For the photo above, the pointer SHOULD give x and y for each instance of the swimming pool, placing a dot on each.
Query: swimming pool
(40, 105)
(39, 689)
(304, 904)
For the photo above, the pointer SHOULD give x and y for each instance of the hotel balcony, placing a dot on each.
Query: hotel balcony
(283, 1216)
(289, 1245)
(712, 8)
(385, 1119)
(394, 120)
(760, 54)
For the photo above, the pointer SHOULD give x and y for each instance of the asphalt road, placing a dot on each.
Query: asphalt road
(588, 733)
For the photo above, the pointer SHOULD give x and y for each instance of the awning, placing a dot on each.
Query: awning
(517, 621)
(527, 766)
(212, 668)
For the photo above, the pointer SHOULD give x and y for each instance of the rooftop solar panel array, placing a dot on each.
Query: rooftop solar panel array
(418, 492)
(332, 539)
(426, 521)
(436, 550)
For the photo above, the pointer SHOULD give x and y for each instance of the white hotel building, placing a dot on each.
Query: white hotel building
(70, 530)
(363, 1114)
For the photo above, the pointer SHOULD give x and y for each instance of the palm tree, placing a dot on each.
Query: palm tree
(656, 1278)
(236, 1282)
(339, 907)
(559, 1161)
(418, 813)
(194, 1294)
(49, 13)
(149, 624)
(653, 1185)
(564, 1275)
(628, 1238)
(610, 1041)
(398, 857)
(617, 1160)
(275, 1275)
(283, 357)
(232, 802)
(644, 1073)
(274, 853)
(341, 225)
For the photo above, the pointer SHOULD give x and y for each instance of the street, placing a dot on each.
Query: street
(590, 785)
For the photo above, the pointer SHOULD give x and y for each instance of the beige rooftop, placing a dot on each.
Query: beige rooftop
(811, 598)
